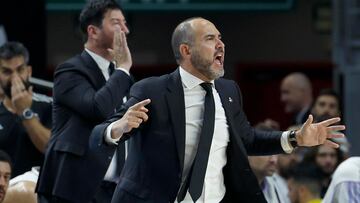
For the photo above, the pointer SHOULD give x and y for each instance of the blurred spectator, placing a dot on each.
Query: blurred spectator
(304, 184)
(22, 188)
(264, 168)
(345, 184)
(2, 94)
(268, 124)
(5, 174)
(296, 94)
(327, 159)
(3, 37)
(327, 105)
(25, 117)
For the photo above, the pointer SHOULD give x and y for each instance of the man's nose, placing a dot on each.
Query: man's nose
(125, 29)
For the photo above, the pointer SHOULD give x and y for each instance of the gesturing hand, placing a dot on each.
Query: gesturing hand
(120, 51)
(20, 96)
(133, 117)
(312, 134)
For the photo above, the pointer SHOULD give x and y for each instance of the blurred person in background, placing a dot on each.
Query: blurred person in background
(5, 174)
(25, 116)
(296, 94)
(22, 187)
(264, 168)
(345, 184)
(304, 184)
(87, 90)
(327, 105)
(327, 159)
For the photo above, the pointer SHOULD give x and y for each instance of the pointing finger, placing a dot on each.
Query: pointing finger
(140, 105)
(330, 121)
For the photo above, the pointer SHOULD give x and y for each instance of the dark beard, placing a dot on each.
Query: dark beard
(7, 88)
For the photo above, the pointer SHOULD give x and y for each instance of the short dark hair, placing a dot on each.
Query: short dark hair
(330, 92)
(94, 11)
(10, 50)
(4, 157)
(309, 175)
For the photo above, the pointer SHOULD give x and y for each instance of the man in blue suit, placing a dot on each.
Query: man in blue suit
(190, 143)
(87, 90)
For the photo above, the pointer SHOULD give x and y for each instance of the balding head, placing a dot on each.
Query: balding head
(296, 92)
(183, 34)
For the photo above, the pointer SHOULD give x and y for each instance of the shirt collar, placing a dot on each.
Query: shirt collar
(190, 81)
(100, 61)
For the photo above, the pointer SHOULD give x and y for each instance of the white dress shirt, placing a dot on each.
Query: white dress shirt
(214, 188)
(345, 183)
(103, 64)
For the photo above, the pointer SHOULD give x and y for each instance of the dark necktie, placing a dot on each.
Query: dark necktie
(111, 68)
(195, 180)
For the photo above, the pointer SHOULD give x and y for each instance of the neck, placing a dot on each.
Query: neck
(98, 50)
(194, 71)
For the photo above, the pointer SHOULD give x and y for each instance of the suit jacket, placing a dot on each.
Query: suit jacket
(82, 99)
(153, 169)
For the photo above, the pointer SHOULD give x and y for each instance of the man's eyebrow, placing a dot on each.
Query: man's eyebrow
(10, 68)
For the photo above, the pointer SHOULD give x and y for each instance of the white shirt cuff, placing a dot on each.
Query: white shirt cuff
(108, 139)
(285, 144)
(124, 70)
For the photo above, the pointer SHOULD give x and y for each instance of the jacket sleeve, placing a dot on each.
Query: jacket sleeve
(256, 142)
(97, 136)
(74, 90)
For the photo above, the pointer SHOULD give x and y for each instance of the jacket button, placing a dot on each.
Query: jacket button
(109, 157)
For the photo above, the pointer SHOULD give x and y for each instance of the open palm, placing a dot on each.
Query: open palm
(312, 134)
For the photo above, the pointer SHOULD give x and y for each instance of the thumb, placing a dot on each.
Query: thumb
(111, 52)
(30, 90)
(308, 121)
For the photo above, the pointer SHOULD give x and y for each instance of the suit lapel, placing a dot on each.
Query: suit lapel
(228, 102)
(176, 106)
(95, 74)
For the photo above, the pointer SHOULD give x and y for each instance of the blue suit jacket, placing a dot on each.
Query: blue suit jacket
(82, 99)
(152, 172)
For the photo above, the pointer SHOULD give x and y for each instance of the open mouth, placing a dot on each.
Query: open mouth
(219, 59)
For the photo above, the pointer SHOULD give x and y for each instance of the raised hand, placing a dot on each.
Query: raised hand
(120, 51)
(133, 117)
(21, 97)
(312, 134)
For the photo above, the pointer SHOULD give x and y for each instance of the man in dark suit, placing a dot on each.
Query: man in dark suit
(87, 90)
(296, 94)
(190, 143)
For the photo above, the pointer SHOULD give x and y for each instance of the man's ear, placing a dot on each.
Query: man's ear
(29, 70)
(92, 32)
(185, 51)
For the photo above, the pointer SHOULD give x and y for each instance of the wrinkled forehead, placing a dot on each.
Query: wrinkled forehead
(13, 62)
(114, 14)
(203, 27)
(327, 99)
(4, 167)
